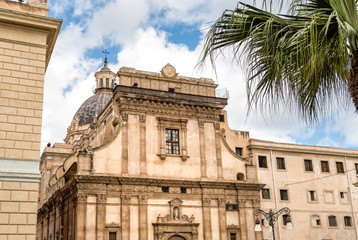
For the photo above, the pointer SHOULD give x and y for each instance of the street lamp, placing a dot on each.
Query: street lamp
(272, 217)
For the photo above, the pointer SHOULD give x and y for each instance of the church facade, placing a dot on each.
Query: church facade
(153, 158)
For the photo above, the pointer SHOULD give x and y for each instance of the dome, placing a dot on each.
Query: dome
(92, 107)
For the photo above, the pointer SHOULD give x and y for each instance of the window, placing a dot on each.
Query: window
(172, 141)
(112, 236)
(308, 165)
(347, 221)
(265, 193)
(315, 221)
(262, 162)
(283, 194)
(340, 168)
(280, 163)
(101, 83)
(238, 151)
(107, 82)
(221, 118)
(232, 236)
(165, 189)
(332, 221)
(356, 165)
(324, 166)
(232, 206)
(183, 190)
(171, 90)
(312, 196)
(328, 197)
(344, 197)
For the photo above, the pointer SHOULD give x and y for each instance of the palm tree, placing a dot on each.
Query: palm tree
(306, 60)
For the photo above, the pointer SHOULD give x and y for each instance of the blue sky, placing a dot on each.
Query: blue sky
(147, 34)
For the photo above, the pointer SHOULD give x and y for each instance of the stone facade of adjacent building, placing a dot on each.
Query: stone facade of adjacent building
(153, 157)
(27, 38)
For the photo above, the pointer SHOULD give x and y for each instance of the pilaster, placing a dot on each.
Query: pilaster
(218, 151)
(202, 150)
(207, 218)
(125, 219)
(143, 217)
(81, 216)
(143, 152)
(242, 219)
(222, 218)
(101, 216)
(124, 143)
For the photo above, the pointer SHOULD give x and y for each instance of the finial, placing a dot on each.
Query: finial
(105, 57)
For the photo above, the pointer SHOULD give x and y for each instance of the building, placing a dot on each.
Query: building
(153, 158)
(27, 38)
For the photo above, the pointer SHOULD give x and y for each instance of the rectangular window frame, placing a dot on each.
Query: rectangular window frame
(324, 167)
(309, 196)
(238, 151)
(340, 167)
(343, 200)
(181, 126)
(308, 166)
(112, 228)
(172, 142)
(265, 192)
(280, 163)
(345, 221)
(333, 198)
(329, 222)
(356, 166)
(262, 161)
(287, 194)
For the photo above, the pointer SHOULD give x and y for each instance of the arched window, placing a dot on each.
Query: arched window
(332, 221)
(240, 177)
(135, 85)
(315, 221)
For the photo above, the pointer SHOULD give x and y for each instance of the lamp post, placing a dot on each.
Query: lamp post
(272, 217)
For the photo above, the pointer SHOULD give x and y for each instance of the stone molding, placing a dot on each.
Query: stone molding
(19, 170)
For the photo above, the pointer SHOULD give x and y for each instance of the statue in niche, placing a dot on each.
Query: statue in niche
(176, 213)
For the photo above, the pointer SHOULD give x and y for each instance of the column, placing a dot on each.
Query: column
(101, 216)
(222, 218)
(125, 143)
(242, 220)
(143, 217)
(125, 204)
(81, 216)
(218, 151)
(202, 150)
(207, 218)
(143, 151)
(250, 220)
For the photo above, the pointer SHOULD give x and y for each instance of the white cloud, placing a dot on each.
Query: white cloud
(130, 24)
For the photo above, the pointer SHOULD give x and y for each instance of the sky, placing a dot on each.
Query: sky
(148, 34)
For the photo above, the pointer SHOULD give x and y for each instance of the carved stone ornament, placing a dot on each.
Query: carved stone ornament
(125, 117)
(169, 218)
(169, 71)
(81, 197)
(206, 201)
(221, 202)
(112, 225)
(116, 121)
(142, 118)
(126, 199)
(143, 199)
(101, 198)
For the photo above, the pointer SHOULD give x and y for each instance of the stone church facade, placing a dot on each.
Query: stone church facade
(148, 159)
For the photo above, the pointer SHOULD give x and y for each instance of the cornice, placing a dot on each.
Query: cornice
(297, 148)
(35, 22)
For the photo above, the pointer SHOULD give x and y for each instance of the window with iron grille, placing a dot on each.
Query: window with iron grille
(172, 141)
(280, 163)
(340, 168)
(308, 165)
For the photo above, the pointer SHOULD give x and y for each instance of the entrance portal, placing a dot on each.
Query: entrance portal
(176, 237)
